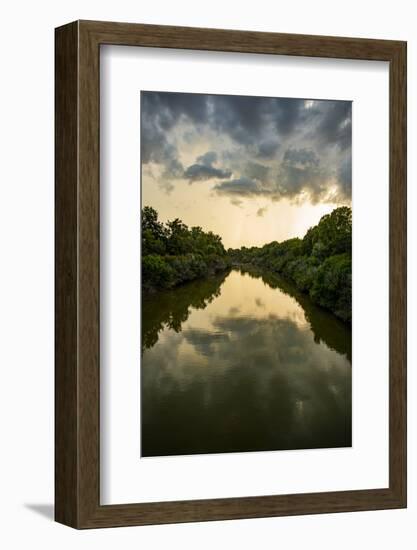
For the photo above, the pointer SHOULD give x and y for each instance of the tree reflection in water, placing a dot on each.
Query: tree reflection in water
(171, 308)
(242, 362)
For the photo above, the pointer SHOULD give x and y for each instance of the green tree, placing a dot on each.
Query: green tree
(173, 254)
(319, 264)
(154, 234)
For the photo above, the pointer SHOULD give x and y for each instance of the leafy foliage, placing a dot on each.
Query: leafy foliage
(173, 253)
(320, 263)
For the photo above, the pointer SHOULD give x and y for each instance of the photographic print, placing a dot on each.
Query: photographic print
(203, 274)
(246, 262)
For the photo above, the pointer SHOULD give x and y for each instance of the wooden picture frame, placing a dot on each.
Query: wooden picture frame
(77, 374)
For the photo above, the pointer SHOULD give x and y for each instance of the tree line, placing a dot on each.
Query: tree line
(173, 253)
(320, 264)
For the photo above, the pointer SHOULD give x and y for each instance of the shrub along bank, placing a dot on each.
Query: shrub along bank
(173, 254)
(320, 264)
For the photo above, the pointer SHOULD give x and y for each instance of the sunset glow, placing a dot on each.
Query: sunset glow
(252, 170)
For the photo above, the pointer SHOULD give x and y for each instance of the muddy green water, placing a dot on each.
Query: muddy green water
(242, 362)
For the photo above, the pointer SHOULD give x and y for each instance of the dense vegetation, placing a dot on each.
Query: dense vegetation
(173, 254)
(320, 264)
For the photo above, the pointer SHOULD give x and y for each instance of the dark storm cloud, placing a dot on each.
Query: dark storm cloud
(300, 157)
(245, 119)
(271, 147)
(174, 168)
(165, 109)
(267, 149)
(345, 176)
(201, 172)
(242, 187)
(207, 159)
(300, 172)
(160, 113)
(257, 171)
(203, 169)
(241, 118)
(335, 124)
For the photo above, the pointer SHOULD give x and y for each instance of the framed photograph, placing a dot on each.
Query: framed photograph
(230, 274)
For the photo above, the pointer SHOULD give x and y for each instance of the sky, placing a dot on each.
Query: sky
(251, 169)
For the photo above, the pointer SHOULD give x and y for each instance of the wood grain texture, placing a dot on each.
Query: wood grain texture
(66, 237)
(398, 274)
(78, 284)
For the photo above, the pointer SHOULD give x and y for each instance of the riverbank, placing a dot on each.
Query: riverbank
(167, 272)
(336, 297)
(174, 254)
(319, 264)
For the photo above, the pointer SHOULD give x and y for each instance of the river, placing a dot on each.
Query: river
(242, 362)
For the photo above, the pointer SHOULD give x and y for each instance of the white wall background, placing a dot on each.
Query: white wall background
(26, 272)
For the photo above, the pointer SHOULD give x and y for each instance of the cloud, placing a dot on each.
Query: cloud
(301, 157)
(256, 121)
(208, 158)
(236, 202)
(344, 175)
(174, 168)
(200, 172)
(299, 176)
(264, 147)
(243, 187)
(257, 171)
(300, 173)
(160, 113)
(268, 148)
(261, 211)
(204, 169)
(335, 124)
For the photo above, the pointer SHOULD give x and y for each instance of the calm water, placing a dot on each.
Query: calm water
(242, 362)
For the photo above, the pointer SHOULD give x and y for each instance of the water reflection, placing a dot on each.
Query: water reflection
(171, 308)
(242, 362)
(326, 328)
